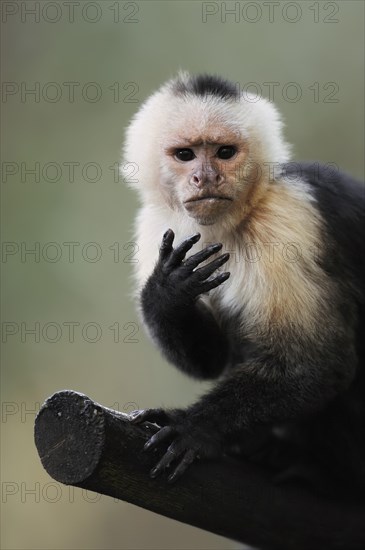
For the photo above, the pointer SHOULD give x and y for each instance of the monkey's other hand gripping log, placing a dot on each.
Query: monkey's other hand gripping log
(188, 442)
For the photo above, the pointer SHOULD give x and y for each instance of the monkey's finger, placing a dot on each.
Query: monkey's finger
(151, 415)
(170, 455)
(207, 270)
(213, 283)
(163, 434)
(166, 245)
(180, 251)
(137, 416)
(189, 457)
(194, 260)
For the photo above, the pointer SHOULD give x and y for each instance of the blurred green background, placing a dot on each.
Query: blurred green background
(90, 64)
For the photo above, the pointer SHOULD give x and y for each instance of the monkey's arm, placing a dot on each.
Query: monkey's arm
(184, 328)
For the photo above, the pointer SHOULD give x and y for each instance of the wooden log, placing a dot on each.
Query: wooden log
(84, 444)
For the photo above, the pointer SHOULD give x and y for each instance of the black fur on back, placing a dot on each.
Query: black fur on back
(205, 84)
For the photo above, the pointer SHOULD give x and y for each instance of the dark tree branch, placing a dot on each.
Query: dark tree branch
(84, 444)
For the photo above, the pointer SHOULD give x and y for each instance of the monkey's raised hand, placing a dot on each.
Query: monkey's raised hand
(187, 441)
(181, 324)
(180, 278)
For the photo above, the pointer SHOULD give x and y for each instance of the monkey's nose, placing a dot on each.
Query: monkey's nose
(219, 179)
(198, 179)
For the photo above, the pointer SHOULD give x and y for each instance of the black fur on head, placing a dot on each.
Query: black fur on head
(205, 84)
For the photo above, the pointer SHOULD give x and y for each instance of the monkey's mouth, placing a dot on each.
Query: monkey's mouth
(212, 198)
(207, 209)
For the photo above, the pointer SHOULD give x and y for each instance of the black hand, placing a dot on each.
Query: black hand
(181, 278)
(187, 442)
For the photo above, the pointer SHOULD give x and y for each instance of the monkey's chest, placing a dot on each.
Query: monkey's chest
(242, 299)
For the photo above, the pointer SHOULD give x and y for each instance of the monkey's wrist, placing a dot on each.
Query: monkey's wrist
(166, 299)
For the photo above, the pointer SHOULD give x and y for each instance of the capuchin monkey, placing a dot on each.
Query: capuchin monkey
(258, 283)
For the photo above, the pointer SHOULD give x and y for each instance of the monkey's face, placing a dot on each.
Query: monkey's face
(205, 156)
(205, 172)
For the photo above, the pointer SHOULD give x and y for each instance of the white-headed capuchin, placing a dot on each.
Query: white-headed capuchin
(258, 283)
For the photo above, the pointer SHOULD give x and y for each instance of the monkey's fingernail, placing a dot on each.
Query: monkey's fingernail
(195, 237)
(216, 246)
(153, 472)
(171, 478)
(147, 445)
(224, 275)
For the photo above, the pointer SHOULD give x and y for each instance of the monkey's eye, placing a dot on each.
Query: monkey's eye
(184, 154)
(226, 152)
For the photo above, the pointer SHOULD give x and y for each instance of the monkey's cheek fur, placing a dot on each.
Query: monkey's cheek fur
(208, 211)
